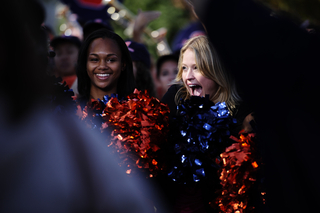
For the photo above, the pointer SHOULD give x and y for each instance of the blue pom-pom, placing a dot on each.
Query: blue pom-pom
(96, 120)
(199, 132)
(106, 98)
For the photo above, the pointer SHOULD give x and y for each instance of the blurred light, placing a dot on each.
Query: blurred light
(120, 137)
(111, 10)
(106, 1)
(73, 17)
(155, 34)
(160, 47)
(127, 31)
(68, 32)
(115, 16)
(63, 27)
(122, 13)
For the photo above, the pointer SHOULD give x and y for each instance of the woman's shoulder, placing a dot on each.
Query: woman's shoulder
(172, 91)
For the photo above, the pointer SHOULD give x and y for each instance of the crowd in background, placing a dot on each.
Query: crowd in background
(154, 73)
(263, 67)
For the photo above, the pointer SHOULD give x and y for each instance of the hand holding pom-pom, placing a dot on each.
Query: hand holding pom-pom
(238, 170)
(91, 113)
(139, 128)
(199, 133)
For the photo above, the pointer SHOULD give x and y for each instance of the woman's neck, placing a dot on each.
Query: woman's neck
(95, 94)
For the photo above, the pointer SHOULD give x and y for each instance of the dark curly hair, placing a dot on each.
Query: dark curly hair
(126, 80)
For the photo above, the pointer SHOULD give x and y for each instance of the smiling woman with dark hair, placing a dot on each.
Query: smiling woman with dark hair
(104, 66)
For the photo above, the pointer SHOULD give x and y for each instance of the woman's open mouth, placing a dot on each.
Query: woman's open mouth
(195, 89)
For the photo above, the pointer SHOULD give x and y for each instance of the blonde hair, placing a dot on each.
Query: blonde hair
(210, 66)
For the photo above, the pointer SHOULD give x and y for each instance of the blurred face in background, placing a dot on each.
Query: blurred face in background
(168, 72)
(66, 59)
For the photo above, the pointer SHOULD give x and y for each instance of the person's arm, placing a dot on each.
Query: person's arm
(142, 20)
(247, 123)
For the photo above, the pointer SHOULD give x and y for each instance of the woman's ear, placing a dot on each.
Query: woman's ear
(123, 66)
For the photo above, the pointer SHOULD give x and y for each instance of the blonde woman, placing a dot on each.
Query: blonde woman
(200, 73)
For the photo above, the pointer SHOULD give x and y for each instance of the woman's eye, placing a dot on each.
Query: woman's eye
(93, 59)
(184, 68)
(111, 60)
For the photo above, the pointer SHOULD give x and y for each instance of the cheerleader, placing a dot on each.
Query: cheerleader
(201, 73)
(132, 123)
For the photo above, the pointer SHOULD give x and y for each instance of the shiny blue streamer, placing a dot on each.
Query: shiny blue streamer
(197, 162)
(97, 120)
(199, 133)
(106, 98)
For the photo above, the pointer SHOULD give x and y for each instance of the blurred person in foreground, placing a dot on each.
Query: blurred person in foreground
(275, 63)
(51, 163)
(192, 29)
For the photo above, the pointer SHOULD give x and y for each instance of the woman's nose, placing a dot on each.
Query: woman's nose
(102, 65)
(189, 75)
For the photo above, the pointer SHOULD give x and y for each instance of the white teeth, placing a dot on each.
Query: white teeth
(193, 85)
(103, 75)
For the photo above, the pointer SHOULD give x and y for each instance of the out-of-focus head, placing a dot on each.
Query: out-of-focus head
(138, 53)
(67, 50)
(93, 25)
(125, 82)
(197, 7)
(141, 66)
(194, 29)
(167, 69)
(23, 57)
(60, 40)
